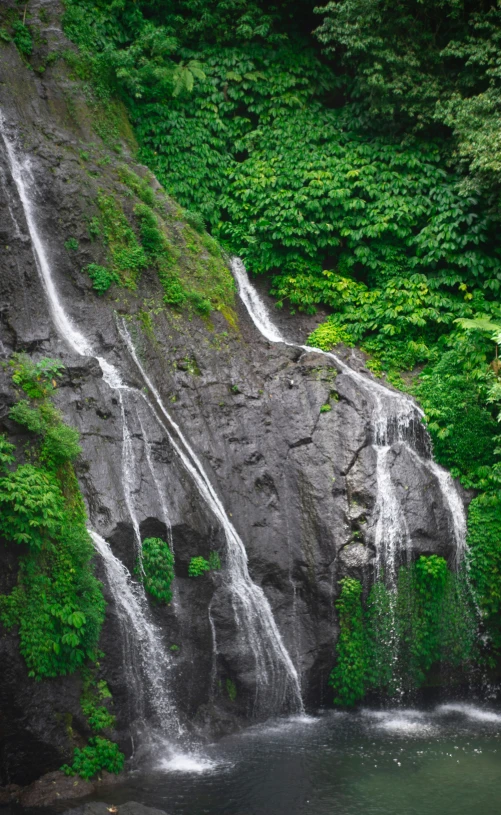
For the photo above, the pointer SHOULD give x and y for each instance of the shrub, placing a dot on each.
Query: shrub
(158, 565)
(347, 678)
(198, 566)
(101, 277)
(99, 754)
(57, 603)
(37, 379)
(23, 38)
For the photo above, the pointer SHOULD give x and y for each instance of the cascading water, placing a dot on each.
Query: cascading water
(396, 423)
(396, 419)
(277, 682)
(145, 657)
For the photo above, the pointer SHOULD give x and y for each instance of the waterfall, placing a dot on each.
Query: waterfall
(396, 419)
(277, 681)
(146, 661)
(146, 658)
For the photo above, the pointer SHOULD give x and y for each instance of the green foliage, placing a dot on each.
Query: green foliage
(58, 442)
(328, 335)
(393, 643)
(23, 38)
(36, 379)
(127, 256)
(484, 539)
(94, 694)
(71, 245)
(101, 277)
(158, 565)
(32, 504)
(198, 566)
(57, 604)
(99, 754)
(347, 678)
(6, 453)
(139, 186)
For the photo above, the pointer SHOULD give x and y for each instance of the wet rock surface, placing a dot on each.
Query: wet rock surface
(298, 484)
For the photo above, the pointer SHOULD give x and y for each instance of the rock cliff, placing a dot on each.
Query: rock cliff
(299, 484)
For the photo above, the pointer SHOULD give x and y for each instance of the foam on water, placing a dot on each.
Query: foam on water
(186, 763)
(408, 722)
(476, 714)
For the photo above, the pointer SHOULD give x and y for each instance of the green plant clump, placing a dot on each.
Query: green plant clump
(23, 38)
(101, 277)
(393, 641)
(99, 754)
(57, 605)
(347, 678)
(198, 566)
(158, 565)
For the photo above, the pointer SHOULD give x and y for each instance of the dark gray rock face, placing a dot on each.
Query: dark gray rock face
(298, 484)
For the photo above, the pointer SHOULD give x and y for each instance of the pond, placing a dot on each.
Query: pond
(445, 760)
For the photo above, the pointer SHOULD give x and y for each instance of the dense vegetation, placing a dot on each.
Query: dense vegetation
(392, 642)
(158, 568)
(57, 605)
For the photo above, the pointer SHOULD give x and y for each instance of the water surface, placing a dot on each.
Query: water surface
(442, 761)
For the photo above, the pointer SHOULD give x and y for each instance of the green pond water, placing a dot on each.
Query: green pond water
(445, 760)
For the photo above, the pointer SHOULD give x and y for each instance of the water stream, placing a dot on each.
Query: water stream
(396, 420)
(277, 682)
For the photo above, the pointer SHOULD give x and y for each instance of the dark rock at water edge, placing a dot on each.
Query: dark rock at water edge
(130, 808)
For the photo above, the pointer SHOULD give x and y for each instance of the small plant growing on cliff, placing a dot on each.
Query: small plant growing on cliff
(37, 379)
(198, 566)
(6, 453)
(347, 678)
(71, 245)
(99, 754)
(101, 277)
(214, 562)
(158, 565)
(23, 38)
